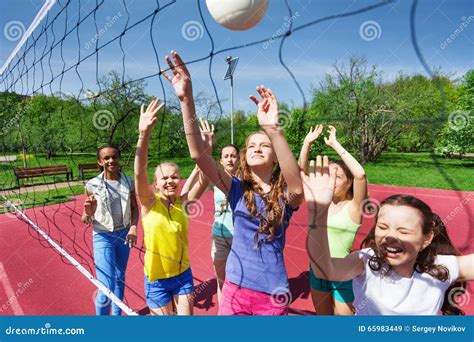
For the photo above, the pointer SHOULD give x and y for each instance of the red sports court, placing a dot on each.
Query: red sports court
(37, 280)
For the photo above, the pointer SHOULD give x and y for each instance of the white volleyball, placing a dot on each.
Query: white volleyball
(237, 15)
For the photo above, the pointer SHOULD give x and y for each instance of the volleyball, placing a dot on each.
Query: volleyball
(237, 15)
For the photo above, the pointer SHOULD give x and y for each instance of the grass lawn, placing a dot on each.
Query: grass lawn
(423, 170)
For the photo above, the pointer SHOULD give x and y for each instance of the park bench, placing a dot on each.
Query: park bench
(86, 167)
(30, 172)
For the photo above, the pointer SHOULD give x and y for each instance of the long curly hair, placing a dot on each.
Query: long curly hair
(425, 261)
(274, 207)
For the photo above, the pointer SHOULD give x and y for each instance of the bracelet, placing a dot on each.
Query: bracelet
(344, 152)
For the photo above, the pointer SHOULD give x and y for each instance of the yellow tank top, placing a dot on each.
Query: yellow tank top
(166, 240)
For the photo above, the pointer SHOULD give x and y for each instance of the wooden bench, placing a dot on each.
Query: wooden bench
(86, 167)
(30, 172)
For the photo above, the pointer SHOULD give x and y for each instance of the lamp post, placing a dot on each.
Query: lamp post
(229, 74)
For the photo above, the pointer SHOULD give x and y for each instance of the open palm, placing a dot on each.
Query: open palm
(148, 116)
(319, 186)
(267, 113)
(181, 80)
(314, 133)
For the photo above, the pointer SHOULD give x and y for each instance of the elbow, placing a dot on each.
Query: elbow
(296, 195)
(196, 156)
(360, 176)
(321, 272)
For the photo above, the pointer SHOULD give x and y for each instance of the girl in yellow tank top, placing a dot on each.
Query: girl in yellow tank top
(345, 217)
(168, 278)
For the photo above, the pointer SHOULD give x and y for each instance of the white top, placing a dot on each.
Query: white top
(113, 202)
(392, 294)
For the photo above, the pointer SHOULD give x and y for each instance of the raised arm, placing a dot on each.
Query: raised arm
(319, 189)
(360, 181)
(466, 267)
(181, 82)
(310, 138)
(267, 115)
(197, 182)
(147, 120)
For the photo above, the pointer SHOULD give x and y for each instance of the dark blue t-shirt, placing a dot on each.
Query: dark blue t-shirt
(260, 268)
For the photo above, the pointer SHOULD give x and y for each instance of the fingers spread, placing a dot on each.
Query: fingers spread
(160, 107)
(325, 165)
(170, 64)
(254, 99)
(165, 74)
(179, 63)
(318, 165)
(311, 168)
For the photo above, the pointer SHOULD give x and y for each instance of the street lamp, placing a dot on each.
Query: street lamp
(229, 74)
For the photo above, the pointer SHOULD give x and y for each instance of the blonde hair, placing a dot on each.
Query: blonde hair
(165, 163)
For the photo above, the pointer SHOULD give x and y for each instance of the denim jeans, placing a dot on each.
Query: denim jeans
(110, 261)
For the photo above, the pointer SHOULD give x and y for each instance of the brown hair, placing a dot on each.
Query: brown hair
(225, 203)
(425, 261)
(237, 149)
(274, 212)
(349, 175)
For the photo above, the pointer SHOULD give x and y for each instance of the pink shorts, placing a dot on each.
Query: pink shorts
(237, 300)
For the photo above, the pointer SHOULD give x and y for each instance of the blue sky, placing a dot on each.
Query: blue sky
(309, 53)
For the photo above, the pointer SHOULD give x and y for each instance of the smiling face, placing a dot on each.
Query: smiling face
(399, 235)
(109, 160)
(167, 180)
(229, 159)
(260, 153)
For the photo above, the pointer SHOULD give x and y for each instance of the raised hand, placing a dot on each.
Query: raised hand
(90, 206)
(319, 186)
(267, 113)
(181, 80)
(148, 116)
(332, 140)
(207, 134)
(313, 134)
